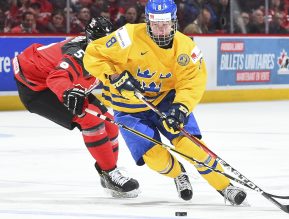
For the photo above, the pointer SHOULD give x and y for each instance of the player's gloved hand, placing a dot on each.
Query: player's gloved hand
(176, 117)
(126, 85)
(75, 99)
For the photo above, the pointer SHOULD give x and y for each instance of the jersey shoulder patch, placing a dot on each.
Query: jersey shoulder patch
(122, 37)
(196, 54)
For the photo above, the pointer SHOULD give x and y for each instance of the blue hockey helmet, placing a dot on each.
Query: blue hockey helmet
(161, 15)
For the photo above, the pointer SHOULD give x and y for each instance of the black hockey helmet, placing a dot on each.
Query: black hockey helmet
(98, 27)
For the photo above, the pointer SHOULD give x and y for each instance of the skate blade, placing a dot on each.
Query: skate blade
(117, 194)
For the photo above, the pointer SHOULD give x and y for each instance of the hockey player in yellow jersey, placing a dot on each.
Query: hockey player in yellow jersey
(170, 71)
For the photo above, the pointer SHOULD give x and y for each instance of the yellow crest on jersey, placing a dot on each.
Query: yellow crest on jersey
(183, 59)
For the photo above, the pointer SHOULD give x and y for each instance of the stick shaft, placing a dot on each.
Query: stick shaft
(242, 179)
(103, 117)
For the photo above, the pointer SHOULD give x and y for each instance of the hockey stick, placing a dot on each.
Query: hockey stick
(243, 180)
(168, 147)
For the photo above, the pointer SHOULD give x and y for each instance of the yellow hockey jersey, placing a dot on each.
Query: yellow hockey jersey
(159, 70)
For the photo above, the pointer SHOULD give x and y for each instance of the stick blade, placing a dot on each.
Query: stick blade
(268, 196)
(285, 208)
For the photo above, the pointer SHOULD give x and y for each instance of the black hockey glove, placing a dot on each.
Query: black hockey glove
(176, 117)
(74, 100)
(126, 85)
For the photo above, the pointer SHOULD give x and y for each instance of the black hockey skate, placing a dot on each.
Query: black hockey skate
(234, 195)
(102, 180)
(183, 185)
(118, 185)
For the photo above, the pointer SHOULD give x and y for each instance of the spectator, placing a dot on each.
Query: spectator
(80, 21)
(45, 5)
(130, 16)
(115, 10)
(82, 4)
(98, 7)
(200, 25)
(15, 13)
(121, 12)
(276, 10)
(57, 22)
(221, 15)
(28, 24)
(242, 24)
(42, 18)
(188, 13)
(258, 22)
(275, 7)
(276, 24)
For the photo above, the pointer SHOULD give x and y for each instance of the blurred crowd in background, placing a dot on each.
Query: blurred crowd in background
(194, 16)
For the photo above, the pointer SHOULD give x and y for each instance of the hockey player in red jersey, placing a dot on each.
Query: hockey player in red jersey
(53, 83)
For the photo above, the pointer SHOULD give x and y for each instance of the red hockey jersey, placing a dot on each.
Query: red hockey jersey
(57, 66)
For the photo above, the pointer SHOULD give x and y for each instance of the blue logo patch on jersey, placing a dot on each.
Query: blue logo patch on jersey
(145, 73)
(152, 87)
(167, 75)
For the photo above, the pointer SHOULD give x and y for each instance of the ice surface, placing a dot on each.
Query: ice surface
(46, 171)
